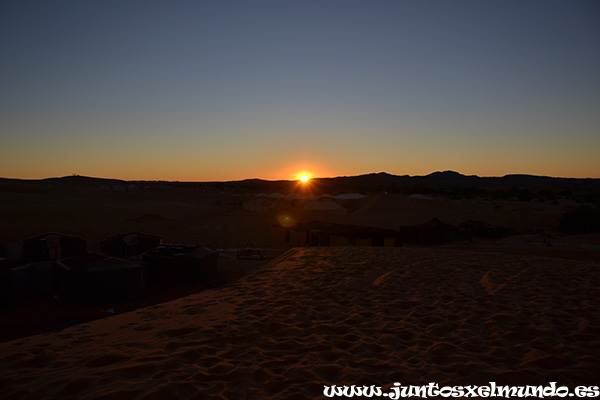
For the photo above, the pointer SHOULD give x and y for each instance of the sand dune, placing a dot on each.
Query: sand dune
(369, 316)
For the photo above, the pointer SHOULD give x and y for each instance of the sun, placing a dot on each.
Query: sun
(303, 183)
(304, 176)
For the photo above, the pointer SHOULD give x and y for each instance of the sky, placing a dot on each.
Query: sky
(229, 90)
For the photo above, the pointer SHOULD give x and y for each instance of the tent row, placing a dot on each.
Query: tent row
(56, 246)
(432, 232)
(437, 232)
(59, 265)
(320, 233)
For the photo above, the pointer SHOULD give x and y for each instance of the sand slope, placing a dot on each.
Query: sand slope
(332, 316)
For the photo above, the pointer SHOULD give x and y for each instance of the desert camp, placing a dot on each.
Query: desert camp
(299, 200)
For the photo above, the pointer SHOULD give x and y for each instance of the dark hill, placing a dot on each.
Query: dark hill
(381, 181)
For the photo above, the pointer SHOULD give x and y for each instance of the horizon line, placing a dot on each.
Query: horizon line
(291, 180)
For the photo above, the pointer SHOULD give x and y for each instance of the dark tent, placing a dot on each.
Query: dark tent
(181, 264)
(95, 279)
(432, 232)
(52, 246)
(319, 233)
(21, 280)
(129, 244)
(14, 285)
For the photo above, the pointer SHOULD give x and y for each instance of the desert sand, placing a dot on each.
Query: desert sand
(323, 316)
(513, 311)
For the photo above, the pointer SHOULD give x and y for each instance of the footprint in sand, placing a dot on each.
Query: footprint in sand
(177, 332)
(142, 328)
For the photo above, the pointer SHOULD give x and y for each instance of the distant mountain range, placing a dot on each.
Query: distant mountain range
(455, 179)
(367, 182)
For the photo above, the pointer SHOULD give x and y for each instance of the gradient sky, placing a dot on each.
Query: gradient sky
(224, 90)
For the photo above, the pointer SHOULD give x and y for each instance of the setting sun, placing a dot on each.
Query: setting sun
(303, 176)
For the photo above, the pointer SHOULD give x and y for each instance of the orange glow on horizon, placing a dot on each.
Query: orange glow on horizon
(304, 176)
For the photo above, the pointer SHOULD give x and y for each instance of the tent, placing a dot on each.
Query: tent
(52, 246)
(432, 232)
(319, 233)
(14, 282)
(129, 244)
(325, 207)
(95, 279)
(174, 264)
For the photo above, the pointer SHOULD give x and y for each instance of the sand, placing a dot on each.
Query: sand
(323, 316)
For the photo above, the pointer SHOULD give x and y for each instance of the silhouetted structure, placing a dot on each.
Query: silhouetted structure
(95, 279)
(52, 246)
(432, 232)
(583, 219)
(14, 282)
(319, 233)
(324, 208)
(181, 264)
(129, 244)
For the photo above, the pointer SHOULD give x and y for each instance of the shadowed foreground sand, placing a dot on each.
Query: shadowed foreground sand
(369, 316)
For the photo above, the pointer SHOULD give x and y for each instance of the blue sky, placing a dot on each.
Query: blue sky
(220, 90)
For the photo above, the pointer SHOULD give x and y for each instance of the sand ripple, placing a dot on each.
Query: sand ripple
(369, 316)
